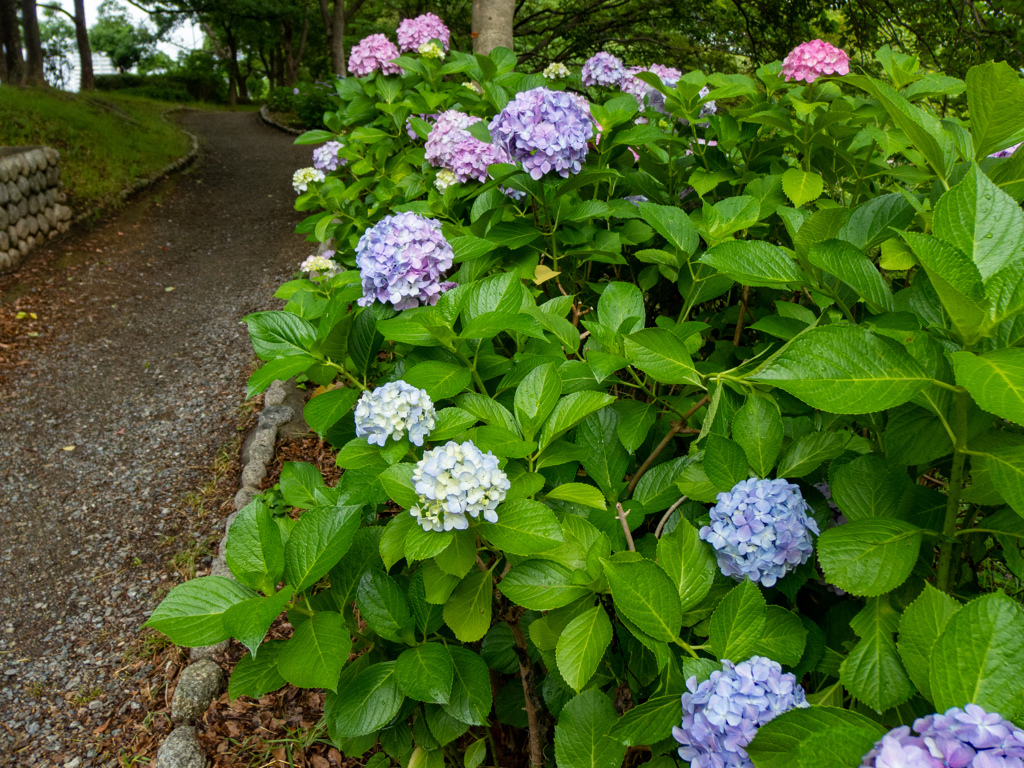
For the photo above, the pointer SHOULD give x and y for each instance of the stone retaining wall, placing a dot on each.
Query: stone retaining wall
(31, 202)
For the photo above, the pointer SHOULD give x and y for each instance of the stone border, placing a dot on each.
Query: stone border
(266, 118)
(202, 681)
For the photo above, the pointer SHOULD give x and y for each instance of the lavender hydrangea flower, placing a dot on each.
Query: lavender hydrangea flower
(302, 178)
(325, 158)
(413, 33)
(372, 53)
(448, 130)
(320, 266)
(455, 480)
(402, 259)
(761, 530)
(959, 738)
(603, 69)
(392, 410)
(722, 714)
(1008, 152)
(544, 130)
(636, 199)
(470, 157)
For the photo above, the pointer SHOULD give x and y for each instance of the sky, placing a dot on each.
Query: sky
(188, 36)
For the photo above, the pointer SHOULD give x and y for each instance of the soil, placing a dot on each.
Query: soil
(122, 390)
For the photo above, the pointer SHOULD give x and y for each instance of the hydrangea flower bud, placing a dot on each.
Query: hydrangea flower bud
(444, 179)
(556, 70)
(455, 480)
(960, 738)
(431, 50)
(544, 130)
(392, 410)
(603, 69)
(761, 530)
(372, 53)
(722, 714)
(809, 61)
(325, 158)
(320, 266)
(302, 178)
(449, 129)
(414, 33)
(401, 261)
(1008, 152)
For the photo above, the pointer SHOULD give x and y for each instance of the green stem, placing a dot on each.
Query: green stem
(686, 647)
(471, 364)
(944, 570)
(352, 379)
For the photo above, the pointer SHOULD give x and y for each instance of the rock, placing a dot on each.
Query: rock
(5, 242)
(23, 247)
(44, 223)
(33, 205)
(5, 196)
(245, 495)
(51, 197)
(51, 216)
(12, 212)
(13, 193)
(52, 155)
(52, 177)
(275, 416)
(4, 218)
(22, 229)
(63, 212)
(38, 157)
(5, 170)
(198, 685)
(36, 183)
(259, 446)
(253, 473)
(180, 750)
(33, 225)
(24, 186)
(6, 261)
(22, 208)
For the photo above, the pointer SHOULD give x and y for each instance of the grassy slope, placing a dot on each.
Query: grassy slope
(105, 141)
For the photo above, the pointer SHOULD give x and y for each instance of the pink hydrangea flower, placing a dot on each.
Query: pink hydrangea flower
(372, 53)
(412, 33)
(808, 61)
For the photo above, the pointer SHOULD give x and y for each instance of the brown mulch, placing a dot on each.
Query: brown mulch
(312, 450)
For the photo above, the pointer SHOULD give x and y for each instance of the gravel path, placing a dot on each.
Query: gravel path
(116, 413)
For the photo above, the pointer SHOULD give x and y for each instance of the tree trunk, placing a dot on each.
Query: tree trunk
(3, 56)
(33, 44)
(291, 73)
(13, 58)
(492, 24)
(338, 39)
(87, 81)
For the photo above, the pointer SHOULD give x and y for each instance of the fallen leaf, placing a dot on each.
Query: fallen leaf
(120, 233)
(68, 448)
(120, 431)
(169, 288)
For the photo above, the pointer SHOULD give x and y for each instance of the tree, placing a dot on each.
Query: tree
(57, 36)
(34, 74)
(124, 43)
(492, 24)
(334, 24)
(86, 80)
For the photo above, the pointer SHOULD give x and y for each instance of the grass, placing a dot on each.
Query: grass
(106, 141)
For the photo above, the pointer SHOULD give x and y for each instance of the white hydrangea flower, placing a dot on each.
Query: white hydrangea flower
(473, 87)
(445, 179)
(556, 70)
(455, 480)
(392, 410)
(320, 266)
(432, 50)
(302, 177)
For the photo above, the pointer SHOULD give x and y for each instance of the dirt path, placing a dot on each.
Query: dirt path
(113, 414)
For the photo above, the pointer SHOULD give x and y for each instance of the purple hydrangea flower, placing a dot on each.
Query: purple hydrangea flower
(402, 259)
(372, 53)
(808, 61)
(960, 738)
(412, 33)
(392, 410)
(636, 199)
(431, 118)
(449, 129)
(721, 715)
(544, 130)
(470, 157)
(326, 157)
(1008, 151)
(603, 69)
(761, 530)
(455, 480)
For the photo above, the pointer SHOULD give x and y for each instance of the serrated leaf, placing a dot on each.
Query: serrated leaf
(425, 673)
(192, 614)
(316, 652)
(662, 355)
(441, 380)
(816, 737)
(802, 186)
(581, 646)
(318, 541)
(757, 427)
(689, 563)
(645, 594)
(869, 557)
(383, 606)
(995, 380)
(587, 495)
(468, 611)
(524, 527)
(371, 699)
(582, 737)
(921, 625)
(254, 676)
(754, 263)
(738, 622)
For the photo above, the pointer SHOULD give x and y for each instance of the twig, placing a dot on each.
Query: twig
(739, 321)
(625, 526)
(677, 428)
(666, 516)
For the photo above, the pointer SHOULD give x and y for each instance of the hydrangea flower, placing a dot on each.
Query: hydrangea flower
(455, 480)
(761, 530)
(1008, 151)
(722, 714)
(636, 199)
(432, 117)
(413, 33)
(544, 130)
(470, 157)
(603, 69)
(473, 87)
(372, 53)
(809, 61)
(325, 158)
(302, 178)
(320, 266)
(392, 410)
(402, 259)
(444, 179)
(960, 738)
(556, 70)
(431, 50)
(449, 129)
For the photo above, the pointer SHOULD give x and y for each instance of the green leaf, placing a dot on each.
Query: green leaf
(648, 723)
(274, 334)
(738, 623)
(995, 380)
(318, 541)
(689, 563)
(955, 279)
(370, 698)
(253, 550)
(382, 604)
(423, 545)
(458, 557)
(316, 652)
(468, 610)
(540, 585)
(757, 427)
(869, 557)
(1006, 468)
(451, 422)
(849, 264)
(873, 672)
(636, 421)
(815, 737)
(249, 620)
(490, 324)
(644, 593)
(524, 527)
(754, 263)
(662, 355)
(570, 411)
(587, 495)
(255, 677)
(921, 625)
(802, 186)
(328, 408)
(392, 541)
(845, 369)
(488, 411)
(724, 462)
(300, 484)
(535, 397)
(977, 658)
(621, 307)
(278, 369)
(673, 224)
(441, 380)
(582, 645)
(475, 754)
(807, 453)
(868, 487)
(582, 734)
(425, 673)
(604, 459)
(784, 636)
(192, 614)
(396, 481)
(995, 97)
(470, 700)
(364, 341)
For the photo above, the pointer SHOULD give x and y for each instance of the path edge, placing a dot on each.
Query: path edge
(267, 119)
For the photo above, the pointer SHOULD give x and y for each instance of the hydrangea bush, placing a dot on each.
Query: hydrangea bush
(648, 340)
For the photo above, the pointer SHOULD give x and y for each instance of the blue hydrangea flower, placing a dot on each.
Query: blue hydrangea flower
(544, 130)
(603, 69)
(636, 199)
(960, 738)
(392, 410)
(325, 158)
(402, 259)
(722, 714)
(761, 530)
(455, 480)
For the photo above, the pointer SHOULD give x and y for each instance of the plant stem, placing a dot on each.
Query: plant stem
(677, 427)
(739, 322)
(944, 571)
(666, 516)
(625, 526)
